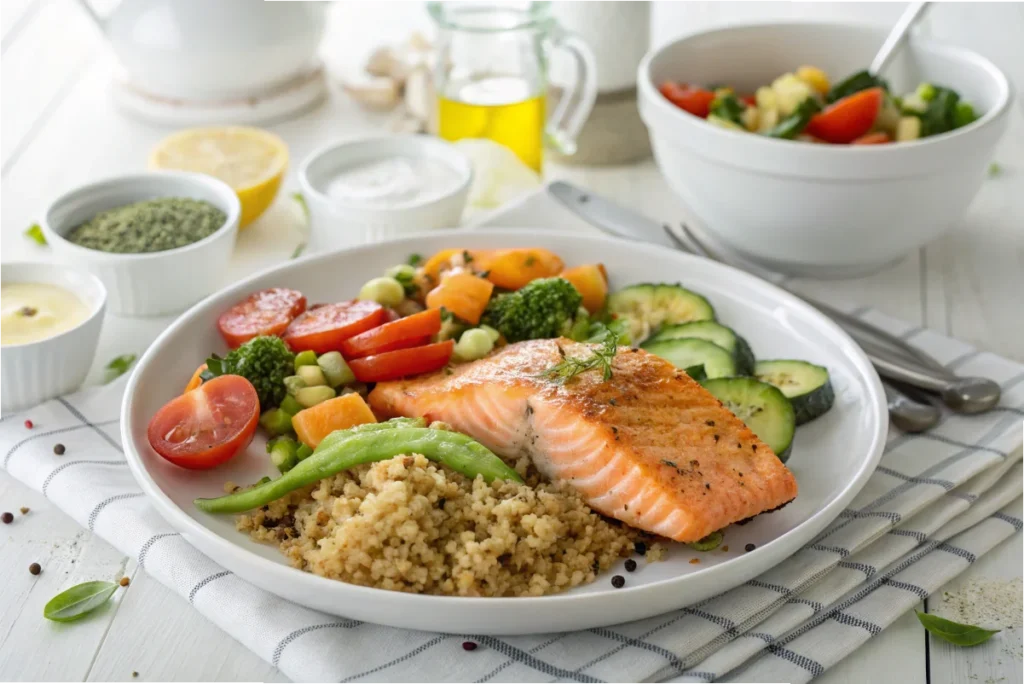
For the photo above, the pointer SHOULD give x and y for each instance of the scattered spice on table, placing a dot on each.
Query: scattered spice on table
(694, 561)
(154, 225)
(124, 582)
(725, 548)
(135, 674)
(35, 568)
(630, 565)
(59, 449)
(469, 645)
(29, 424)
(24, 510)
(749, 547)
(7, 517)
(618, 581)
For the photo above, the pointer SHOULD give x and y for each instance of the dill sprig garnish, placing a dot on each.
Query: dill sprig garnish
(600, 359)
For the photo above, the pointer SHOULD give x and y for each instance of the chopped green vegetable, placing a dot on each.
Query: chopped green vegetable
(290, 406)
(954, 632)
(926, 91)
(963, 114)
(309, 397)
(78, 601)
(406, 275)
(264, 361)
(994, 170)
(313, 375)
(35, 232)
(708, 543)
(795, 123)
(414, 260)
(118, 367)
(355, 447)
(728, 107)
(579, 331)
(283, 453)
(276, 422)
(859, 81)
(940, 116)
(385, 291)
(599, 359)
(473, 344)
(299, 249)
(293, 383)
(336, 370)
(543, 309)
(304, 451)
(597, 331)
(300, 199)
(305, 358)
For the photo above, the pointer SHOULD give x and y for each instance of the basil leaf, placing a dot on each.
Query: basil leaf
(301, 200)
(954, 632)
(215, 366)
(35, 232)
(118, 367)
(78, 601)
(727, 107)
(940, 116)
(795, 123)
(859, 81)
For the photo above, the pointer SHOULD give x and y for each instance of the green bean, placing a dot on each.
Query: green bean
(457, 451)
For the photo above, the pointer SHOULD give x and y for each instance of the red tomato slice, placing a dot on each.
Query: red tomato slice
(411, 331)
(208, 425)
(398, 364)
(876, 138)
(267, 312)
(696, 101)
(847, 119)
(749, 100)
(324, 328)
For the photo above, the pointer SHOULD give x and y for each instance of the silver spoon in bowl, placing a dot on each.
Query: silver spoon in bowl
(897, 36)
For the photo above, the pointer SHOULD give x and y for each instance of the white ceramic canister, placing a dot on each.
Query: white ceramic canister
(618, 33)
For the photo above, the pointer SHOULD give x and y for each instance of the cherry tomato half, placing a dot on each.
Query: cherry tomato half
(696, 101)
(208, 425)
(411, 331)
(847, 119)
(403, 362)
(324, 328)
(876, 138)
(267, 312)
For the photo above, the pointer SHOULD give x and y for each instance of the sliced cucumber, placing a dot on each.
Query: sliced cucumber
(313, 375)
(715, 332)
(335, 369)
(807, 386)
(762, 407)
(309, 397)
(648, 306)
(699, 358)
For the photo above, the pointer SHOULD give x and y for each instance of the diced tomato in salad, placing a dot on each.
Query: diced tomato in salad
(324, 328)
(696, 101)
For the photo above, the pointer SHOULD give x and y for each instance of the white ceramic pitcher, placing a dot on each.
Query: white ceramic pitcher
(211, 49)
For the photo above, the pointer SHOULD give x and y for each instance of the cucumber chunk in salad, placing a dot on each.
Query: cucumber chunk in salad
(699, 358)
(762, 407)
(726, 338)
(807, 386)
(646, 307)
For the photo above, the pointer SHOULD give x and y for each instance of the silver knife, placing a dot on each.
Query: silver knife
(893, 359)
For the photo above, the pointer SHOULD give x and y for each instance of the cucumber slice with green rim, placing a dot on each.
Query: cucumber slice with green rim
(699, 358)
(724, 337)
(648, 306)
(762, 407)
(807, 386)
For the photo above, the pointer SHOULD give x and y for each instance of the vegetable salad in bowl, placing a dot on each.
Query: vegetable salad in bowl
(805, 105)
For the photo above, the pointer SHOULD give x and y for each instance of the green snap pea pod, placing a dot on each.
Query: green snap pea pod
(457, 451)
(708, 543)
(341, 435)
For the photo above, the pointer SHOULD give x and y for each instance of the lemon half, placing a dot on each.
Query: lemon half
(251, 160)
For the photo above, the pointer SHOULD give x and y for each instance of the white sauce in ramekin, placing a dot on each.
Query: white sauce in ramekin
(393, 181)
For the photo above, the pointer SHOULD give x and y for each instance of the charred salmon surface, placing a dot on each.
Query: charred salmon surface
(649, 447)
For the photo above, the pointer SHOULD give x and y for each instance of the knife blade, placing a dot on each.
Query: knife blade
(607, 216)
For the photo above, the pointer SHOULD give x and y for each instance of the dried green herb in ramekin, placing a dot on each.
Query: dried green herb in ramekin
(150, 226)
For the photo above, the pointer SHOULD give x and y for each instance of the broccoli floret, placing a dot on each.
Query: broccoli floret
(542, 309)
(264, 361)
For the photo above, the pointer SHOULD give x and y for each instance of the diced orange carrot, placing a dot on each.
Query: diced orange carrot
(196, 381)
(464, 294)
(592, 282)
(313, 424)
(513, 268)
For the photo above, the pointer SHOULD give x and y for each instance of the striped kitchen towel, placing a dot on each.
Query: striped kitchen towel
(937, 501)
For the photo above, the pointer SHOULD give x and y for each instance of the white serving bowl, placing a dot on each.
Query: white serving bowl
(810, 209)
(37, 371)
(335, 224)
(153, 283)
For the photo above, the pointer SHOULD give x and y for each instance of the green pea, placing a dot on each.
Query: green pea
(385, 291)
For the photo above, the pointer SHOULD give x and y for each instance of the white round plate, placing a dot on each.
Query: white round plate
(832, 457)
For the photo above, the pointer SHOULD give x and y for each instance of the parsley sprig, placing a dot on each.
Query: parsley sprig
(600, 359)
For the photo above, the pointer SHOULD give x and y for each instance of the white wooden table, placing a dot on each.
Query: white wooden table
(60, 129)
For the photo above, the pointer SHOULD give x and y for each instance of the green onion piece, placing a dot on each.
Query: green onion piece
(35, 232)
(118, 367)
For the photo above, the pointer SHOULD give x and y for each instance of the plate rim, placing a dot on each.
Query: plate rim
(745, 566)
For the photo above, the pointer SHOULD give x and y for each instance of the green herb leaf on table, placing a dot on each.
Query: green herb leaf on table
(994, 170)
(300, 199)
(78, 601)
(118, 367)
(35, 232)
(599, 359)
(299, 249)
(954, 632)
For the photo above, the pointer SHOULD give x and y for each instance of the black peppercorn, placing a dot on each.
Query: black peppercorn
(8, 518)
(630, 565)
(618, 581)
(469, 645)
(35, 568)
(59, 449)
(749, 547)
(640, 548)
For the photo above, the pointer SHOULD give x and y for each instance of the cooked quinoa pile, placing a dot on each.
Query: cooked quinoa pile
(408, 524)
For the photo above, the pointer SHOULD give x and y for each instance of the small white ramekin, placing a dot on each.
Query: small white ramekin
(336, 224)
(37, 371)
(153, 283)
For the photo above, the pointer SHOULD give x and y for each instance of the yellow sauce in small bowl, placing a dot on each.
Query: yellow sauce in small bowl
(36, 311)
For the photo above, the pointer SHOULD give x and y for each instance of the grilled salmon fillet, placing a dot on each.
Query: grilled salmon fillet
(649, 447)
